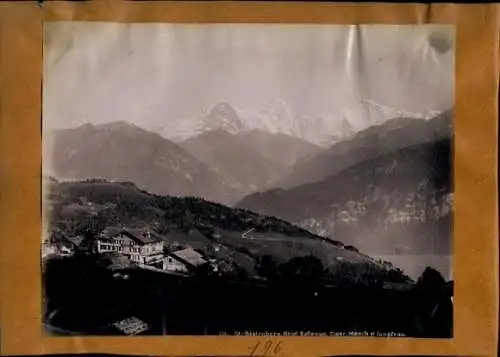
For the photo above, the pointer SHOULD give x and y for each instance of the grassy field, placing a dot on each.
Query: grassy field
(283, 247)
(90, 206)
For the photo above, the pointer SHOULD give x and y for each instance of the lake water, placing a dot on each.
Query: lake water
(414, 265)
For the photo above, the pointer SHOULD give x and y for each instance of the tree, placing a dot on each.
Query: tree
(187, 222)
(434, 309)
(358, 275)
(204, 271)
(267, 267)
(345, 274)
(240, 273)
(89, 243)
(306, 270)
(351, 248)
(229, 269)
(396, 275)
(431, 278)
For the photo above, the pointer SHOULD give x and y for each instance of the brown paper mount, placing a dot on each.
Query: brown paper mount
(476, 217)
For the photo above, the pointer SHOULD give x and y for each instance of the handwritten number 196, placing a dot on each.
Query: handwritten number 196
(266, 349)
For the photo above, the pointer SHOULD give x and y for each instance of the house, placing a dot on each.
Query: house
(110, 231)
(184, 260)
(64, 246)
(69, 245)
(49, 250)
(140, 245)
(66, 251)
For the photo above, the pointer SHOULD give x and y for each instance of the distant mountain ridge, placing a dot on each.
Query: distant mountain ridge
(218, 165)
(398, 202)
(124, 152)
(280, 148)
(252, 160)
(234, 159)
(377, 140)
(279, 118)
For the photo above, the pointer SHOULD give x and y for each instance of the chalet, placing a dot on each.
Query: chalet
(69, 245)
(141, 246)
(109, 232)
(64, 246)
(184, 260)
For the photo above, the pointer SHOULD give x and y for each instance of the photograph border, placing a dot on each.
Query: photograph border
(475, 249)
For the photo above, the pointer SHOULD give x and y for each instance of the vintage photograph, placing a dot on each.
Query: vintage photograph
(247, 179)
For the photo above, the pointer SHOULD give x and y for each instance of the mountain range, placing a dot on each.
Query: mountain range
(387, 189)
(220, 116)
(392, 195)
(252, 160)
(279, 118)
(367, 144)
(124, 152)
(219, 164)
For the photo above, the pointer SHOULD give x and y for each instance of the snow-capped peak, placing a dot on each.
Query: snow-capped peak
(221, 116)
(279, 117)
(386, 112)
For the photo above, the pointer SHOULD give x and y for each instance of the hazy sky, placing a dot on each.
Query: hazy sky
(152, 73)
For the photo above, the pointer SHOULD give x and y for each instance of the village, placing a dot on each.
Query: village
(149, 285)
(142, 248)
(123, 280)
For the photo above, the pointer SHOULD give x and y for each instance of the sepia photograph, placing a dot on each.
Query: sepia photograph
(247, 180)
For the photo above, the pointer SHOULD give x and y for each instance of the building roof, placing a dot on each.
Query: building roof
(189, 256)
(75, 240)
(144, 236)
(109, 232)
